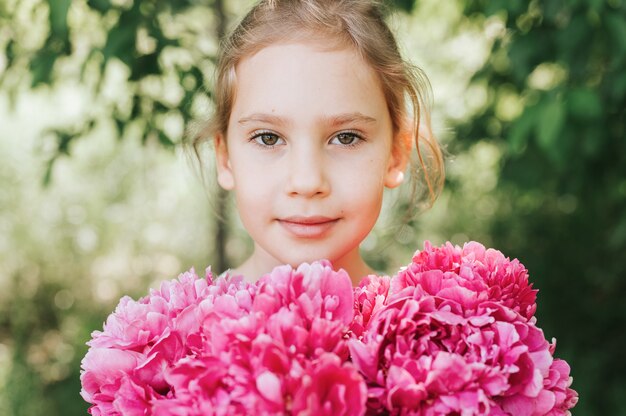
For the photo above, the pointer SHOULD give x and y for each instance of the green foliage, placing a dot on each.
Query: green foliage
(112, 223)
(405, 5)
(140, 36)
(562, 183)
(57, 44)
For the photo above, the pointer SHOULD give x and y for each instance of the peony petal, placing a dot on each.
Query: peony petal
(269, 386)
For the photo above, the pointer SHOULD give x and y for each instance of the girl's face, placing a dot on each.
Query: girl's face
(308, 153)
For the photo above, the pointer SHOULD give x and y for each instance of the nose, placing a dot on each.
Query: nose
(307, 173)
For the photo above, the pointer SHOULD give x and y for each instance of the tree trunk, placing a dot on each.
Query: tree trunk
(221, 225)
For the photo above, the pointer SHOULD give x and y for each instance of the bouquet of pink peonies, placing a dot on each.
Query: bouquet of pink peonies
(453, 333)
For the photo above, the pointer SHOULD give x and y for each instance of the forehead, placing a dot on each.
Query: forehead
(298, 76)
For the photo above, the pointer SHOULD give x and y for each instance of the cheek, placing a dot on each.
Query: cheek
(254, 193)
(252, 175)
(255, 189)
(253, 215)
(363, 192)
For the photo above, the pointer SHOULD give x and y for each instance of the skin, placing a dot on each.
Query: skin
(308, 180)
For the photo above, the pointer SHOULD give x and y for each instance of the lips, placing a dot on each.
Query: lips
(308, 227)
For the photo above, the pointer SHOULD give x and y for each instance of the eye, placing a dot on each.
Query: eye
(266, 139)
(347, 139)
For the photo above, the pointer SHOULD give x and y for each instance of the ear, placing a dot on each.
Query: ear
(225, 175)
(400, 153)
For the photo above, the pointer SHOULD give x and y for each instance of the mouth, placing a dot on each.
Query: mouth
(307, 227)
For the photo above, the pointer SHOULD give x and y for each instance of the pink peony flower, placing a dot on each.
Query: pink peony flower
(315, 289)
(473, 273)
(330, 387)
(369, 296)
(457, 334)
(126, 369)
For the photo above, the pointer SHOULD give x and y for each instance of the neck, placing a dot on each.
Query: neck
(261, 262)
(354, 265)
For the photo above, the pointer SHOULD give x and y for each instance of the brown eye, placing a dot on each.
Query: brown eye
(267, 139)
(346, 139)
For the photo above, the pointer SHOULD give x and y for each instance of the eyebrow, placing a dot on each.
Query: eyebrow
(334, 121)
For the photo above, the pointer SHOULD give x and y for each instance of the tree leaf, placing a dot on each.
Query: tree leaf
(47, 177)
(121, 42)
(145, 65)
(165, 140)
(41, 67)
(616, 27)
(521, 129)
(522, 54)
(58, 17)
(550, 125)
(404, 5)
(101, 6)
(584, 103)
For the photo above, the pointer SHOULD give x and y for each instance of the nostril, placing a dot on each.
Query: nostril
(307, 182)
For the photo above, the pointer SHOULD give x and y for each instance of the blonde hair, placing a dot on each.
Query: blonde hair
(356, 23)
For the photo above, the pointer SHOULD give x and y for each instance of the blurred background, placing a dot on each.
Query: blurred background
(98, 199)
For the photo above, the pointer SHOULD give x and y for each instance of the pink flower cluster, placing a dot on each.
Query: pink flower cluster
(227, 347)
(452, 333)
(456, 334)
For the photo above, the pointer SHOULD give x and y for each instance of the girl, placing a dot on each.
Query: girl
(316, 113)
